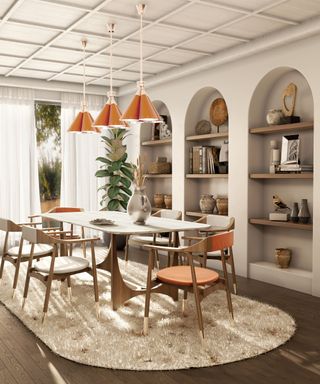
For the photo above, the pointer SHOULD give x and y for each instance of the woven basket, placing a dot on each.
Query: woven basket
(157, 168)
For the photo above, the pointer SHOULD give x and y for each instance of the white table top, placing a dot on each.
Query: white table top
(123, 223)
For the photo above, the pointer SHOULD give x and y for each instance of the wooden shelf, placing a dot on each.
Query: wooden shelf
(306, 175)
(282, 224)
(200, 214)
(207, 176)
(281, 128)
(151, 143)
(158, 176)
(208, 136)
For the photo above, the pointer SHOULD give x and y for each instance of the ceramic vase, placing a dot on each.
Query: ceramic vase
(294, 213)
(168, 201)
(274, 116)
(222, 205)
(304, 214)
(283, 257)
(139, 207)
(158, 199)
(207, 203)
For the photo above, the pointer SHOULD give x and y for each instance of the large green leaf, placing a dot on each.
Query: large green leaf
(102, 173)
(113, 192)
(113, 205)
(126, 190)
(116, 165)
(123, 204)
(124, 197)
(115, 179)
(103, 160)
(127, 172)
(126, 182)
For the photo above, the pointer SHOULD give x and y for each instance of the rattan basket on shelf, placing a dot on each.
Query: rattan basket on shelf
(159, 168)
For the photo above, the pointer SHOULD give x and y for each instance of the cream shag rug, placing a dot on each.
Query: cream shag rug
(71, 329)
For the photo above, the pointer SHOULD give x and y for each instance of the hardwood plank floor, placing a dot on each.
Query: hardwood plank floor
(25, 359)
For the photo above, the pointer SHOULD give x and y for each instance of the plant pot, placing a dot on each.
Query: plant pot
(158, 199)
(207, 203)
(274, 116)
(304, 213)
(139, 208)
(168, 201)
(294, 213)
(283, 257)
(222, 205)
(121, 240)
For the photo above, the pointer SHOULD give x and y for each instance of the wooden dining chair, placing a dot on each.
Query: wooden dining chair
(72, 235)
(199, 280)
(16, 255)
(156, 239)
(218, 224)
(57, 268)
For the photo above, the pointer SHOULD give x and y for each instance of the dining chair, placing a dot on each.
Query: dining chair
(72, 235)
(18, 254)
(218, 224)
(199, 280)
(57, 268)
(164, 240)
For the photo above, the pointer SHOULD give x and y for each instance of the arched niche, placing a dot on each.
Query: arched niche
(268, 95)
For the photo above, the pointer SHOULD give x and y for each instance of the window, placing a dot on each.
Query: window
(48, 125)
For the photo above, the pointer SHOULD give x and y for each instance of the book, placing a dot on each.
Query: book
(196, 159)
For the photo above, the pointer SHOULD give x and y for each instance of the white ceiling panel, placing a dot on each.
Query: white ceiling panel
(249, 5)
(253, 27)
(73, 41)
(4, 6)
(26, 33)
(33, 73)
(210, 44)
(151, 67)
(104, 61)
(203, 17)
(90, 71)
(33, 11)
(74, 78)
(132, 50)
(126, 75)
(3, 70)
(9, 61)
(60, 54)
(176, 57)
(154, 9)
(299, 10)
(167, 36)
(15, 48)
(79, 3)
(46, 65)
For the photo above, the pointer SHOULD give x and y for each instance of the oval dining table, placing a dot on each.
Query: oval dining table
(121, 291)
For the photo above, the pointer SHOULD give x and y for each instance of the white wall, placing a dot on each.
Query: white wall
(236, 82)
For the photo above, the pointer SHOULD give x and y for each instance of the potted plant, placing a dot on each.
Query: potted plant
(119, 175)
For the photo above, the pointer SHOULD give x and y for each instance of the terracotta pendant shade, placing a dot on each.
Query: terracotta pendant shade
(83, 124)
(110, 116)
(141, 109)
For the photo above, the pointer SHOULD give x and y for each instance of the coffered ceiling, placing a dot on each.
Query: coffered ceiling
(41, 38)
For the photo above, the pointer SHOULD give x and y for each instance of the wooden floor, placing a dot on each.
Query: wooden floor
(26, 360)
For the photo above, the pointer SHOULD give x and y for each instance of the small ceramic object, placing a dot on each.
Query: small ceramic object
(304, 213)
(207, 203)
(222, 205)
(294, 213)
(139, 207)
(168, 201)
(158, 199)
(203, 127)
(274, 116)
(283, 257)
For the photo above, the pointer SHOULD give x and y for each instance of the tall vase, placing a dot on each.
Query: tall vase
(139, 207)
(294, 213)
(304, 213)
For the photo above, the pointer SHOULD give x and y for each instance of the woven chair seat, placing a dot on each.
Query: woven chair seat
(63, 264)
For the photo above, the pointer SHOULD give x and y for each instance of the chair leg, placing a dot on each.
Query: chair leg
(46, 300)
(148, 294)
(69, 288)
(83, 245)
(233, 271)
(70, 250)
(95, 280)
(3, 254)
(184, 302)
(225, 273)
(126, 250)
(17, 265)
(26, 286)
(2, 266)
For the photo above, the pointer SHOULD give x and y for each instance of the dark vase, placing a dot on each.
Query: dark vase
(294, 213)
(304, 214)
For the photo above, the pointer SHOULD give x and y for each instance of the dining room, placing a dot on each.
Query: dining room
(159, 206)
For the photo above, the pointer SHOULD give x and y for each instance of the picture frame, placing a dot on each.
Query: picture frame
(290, 149)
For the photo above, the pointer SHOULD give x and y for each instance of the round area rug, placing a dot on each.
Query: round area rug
(71, 330)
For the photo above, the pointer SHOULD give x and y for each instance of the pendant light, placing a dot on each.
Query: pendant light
(141, 109)
(83, 121)
(110, 115)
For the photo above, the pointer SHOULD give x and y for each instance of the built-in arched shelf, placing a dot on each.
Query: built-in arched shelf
(199, 184)
(151, 147)
(265, 236)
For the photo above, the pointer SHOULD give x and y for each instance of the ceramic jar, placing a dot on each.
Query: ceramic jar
(139, 207)
(283, 257)
(294, 213)
(158, 199)
(304, 213)
(222, 205)
(168, 201)
(274, 116)
(207, 203)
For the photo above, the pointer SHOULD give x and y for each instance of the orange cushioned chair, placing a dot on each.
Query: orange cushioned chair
(200, 281)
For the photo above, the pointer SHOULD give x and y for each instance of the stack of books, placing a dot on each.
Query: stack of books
(295, 167)
(204, 159)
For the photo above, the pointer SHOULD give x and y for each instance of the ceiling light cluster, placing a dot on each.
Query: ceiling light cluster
(140, 110)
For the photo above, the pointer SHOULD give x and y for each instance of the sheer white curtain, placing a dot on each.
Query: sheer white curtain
(79, 152)
(19, 193)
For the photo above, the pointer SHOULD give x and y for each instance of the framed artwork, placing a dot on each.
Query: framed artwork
(290, 149)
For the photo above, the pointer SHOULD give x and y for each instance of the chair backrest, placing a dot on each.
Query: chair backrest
(36, 236)
(169, 214)
(218, 242)
(9, 226)
(224, 222)
(65, 209)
